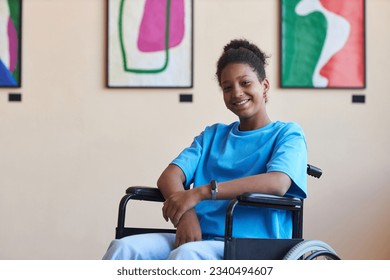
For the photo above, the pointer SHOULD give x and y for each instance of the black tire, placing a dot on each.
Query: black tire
(311, 250)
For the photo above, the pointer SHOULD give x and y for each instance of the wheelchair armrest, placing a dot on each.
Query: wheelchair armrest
(145, 193)
(267, 200)
(136, 193)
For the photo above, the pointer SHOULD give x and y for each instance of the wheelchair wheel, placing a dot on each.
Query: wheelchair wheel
(311, 250)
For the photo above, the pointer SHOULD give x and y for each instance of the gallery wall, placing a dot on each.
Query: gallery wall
(71, 146)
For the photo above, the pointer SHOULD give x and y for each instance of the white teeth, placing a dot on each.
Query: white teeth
(242, 102)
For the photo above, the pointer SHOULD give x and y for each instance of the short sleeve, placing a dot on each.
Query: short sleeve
(188, 159)
(290, 157)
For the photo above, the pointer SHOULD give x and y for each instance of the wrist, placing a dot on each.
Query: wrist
(204, 192)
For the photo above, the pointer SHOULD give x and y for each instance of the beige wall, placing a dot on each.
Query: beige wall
(72, 146)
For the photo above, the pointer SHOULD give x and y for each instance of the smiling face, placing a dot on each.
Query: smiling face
(245, 95)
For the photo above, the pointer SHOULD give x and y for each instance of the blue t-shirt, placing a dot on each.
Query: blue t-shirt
(223, 152)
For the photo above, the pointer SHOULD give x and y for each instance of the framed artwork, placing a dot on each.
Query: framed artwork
(10, 43)
(149, 44)
(322, 44)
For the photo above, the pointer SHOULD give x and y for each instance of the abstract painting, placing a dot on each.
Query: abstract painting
(10, 43)
(322, 44)
(149, 43)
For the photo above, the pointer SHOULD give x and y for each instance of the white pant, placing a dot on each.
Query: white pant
(160, 246)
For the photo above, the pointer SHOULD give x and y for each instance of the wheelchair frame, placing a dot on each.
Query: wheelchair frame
(257, 248)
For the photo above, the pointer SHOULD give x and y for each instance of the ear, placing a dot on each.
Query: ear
(265, 84)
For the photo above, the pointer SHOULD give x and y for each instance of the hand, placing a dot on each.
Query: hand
(179, 203)
(188, 229)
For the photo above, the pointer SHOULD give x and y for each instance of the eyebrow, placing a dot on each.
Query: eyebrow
(239, 77)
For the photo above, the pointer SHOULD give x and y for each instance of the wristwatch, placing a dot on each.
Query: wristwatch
(214, 189)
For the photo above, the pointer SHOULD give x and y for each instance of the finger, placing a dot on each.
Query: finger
(177, 216)
(170, 212)
(177, 242)
(164, 212)
(180, 241)
(167, 209)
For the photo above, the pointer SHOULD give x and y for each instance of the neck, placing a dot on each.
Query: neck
(246, 125)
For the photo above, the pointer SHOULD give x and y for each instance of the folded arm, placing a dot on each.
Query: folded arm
(179, 201)
(187, 225)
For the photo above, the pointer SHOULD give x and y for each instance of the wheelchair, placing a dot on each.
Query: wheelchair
(295, 248)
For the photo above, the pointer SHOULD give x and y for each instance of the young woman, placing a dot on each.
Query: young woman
(253, 154)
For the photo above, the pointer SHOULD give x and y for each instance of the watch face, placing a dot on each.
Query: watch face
(213, 185)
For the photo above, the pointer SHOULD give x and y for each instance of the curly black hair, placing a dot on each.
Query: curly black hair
(242, 51)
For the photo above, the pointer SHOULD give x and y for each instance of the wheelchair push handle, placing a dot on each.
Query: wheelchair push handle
(314, 171)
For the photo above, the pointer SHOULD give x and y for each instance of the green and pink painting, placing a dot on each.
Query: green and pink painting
(149, 43)
(10, 46)
(323, 43)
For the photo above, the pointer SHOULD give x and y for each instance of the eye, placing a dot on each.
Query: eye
(245, 83)
(226, 88)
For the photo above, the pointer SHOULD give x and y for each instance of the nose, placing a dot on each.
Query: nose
(237, 91)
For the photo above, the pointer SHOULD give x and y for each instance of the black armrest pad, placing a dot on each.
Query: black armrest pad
(145, 193)
(267, 199)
